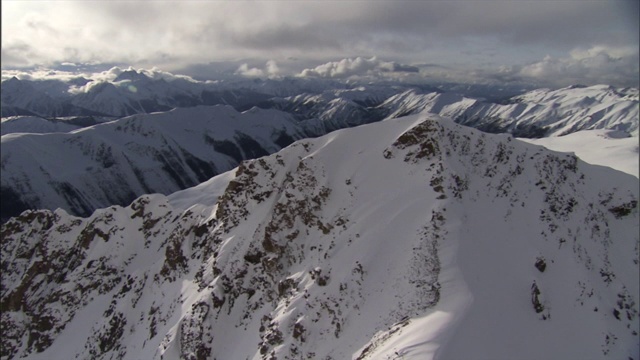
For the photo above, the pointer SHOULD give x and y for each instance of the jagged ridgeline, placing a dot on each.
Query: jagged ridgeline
(404, 239)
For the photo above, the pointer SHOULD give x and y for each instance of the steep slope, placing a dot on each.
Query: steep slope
(130, 172)
(34, 124)
(600, 147)
(537, 113)
(334, 109)
(412, 238)
(40, 125)
(115, 162)
(22, 98)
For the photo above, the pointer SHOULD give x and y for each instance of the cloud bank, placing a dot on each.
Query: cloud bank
(309, 38)
(271, 70)
(358, 67)
(595, 65)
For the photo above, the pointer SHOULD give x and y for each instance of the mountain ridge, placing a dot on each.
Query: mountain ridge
(302, 256)
(113, 163)
(310, 114)
(536, 113)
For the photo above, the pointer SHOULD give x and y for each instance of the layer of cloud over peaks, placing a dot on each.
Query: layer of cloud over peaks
(271, 70)
(595, 65)
(194, 36)
(356, 67)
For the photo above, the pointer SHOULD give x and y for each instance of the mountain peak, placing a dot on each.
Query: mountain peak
(132, 75)
(79, 81)
(12, 79)
(397, 249)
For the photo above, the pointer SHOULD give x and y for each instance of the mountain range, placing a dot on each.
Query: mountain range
(117, 161)
(110, 160)
(153, 216)
(537, 113)
(408, 238)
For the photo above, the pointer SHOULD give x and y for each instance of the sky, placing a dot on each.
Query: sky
(546, 42)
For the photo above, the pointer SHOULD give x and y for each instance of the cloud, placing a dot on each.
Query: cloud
(244, 70)
(616, 66)
(41, 74)
(271, 70)
(217, 39)
(357, 67)
(157, 74)
(146, 33)
(596, 65)
(18, 54)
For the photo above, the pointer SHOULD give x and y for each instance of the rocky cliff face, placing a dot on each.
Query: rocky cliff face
(400, 239)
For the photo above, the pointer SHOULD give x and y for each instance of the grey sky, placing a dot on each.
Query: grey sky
(534, 40)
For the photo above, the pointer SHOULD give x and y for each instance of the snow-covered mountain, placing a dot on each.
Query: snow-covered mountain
(335, 109)
(34, 124)
(600, 147)
(110, 168)
(134, 92)
(334, 104)
(113, 163)
(537, 113)
(40, 125)
(322, 106)
(410, 238)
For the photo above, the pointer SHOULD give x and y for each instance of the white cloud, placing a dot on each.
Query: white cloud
(156, 73)
(40, 74)
(617, 66)
(595, 65)
(358, 67)
(271, 70)
(245, 70)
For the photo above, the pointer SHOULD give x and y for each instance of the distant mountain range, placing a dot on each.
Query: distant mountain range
(115, 162)
(75, 150)
(536, 113)
(133, 92)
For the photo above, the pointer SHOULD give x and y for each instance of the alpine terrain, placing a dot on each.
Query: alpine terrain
(408, 238)
(117, 161)
(111, 147)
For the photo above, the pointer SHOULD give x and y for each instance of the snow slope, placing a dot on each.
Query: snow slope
(600, 147)
(412, 238)
(34, 125)
(537, 113)
(36, 178)
(115, 162)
